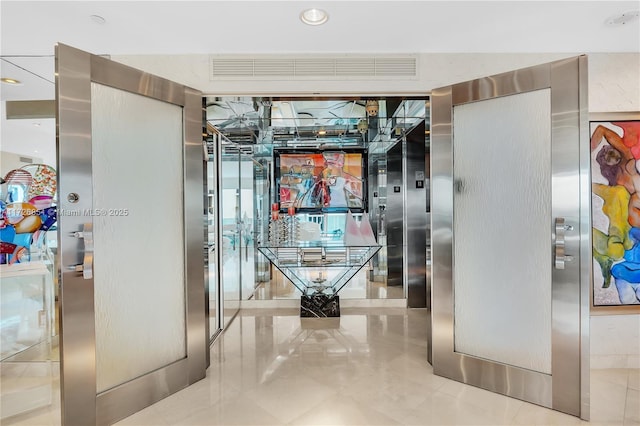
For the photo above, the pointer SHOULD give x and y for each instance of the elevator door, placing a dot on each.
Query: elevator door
(131, 237)
(510, 213)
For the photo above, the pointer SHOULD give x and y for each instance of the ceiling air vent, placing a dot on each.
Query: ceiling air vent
(26, 160)
(314, 68)
(230, 67)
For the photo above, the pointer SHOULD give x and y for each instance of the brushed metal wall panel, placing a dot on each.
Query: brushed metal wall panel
(394, 216)
(585, 238)
(415, 219)
(77, 327)
(565, 193)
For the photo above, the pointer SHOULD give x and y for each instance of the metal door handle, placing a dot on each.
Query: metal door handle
(87, 262)
(559, 250)
(75, 268)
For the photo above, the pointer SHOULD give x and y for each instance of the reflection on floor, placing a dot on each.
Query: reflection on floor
(367, 367)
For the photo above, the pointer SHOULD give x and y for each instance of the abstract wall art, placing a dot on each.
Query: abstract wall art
(615, 180)
(321, 180)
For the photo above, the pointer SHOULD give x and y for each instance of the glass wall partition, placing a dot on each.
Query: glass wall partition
(247, 223)
(29, 351)
(211, 246)
(29, 355)
(229, 217)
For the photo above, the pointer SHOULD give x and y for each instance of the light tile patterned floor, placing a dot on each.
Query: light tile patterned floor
(366, 368)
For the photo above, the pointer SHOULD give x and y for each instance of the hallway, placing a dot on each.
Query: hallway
(367, 367)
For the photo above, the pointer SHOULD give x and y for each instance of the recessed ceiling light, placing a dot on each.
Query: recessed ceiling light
(10, 80)
(36, 124)
(314, 16)
(97, 19)
(623, 19)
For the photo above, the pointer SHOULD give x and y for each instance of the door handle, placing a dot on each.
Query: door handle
(560, 257)
(87, 262)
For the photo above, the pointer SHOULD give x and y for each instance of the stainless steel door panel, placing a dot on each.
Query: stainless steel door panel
(76, 71)
(567, 388)
(77, 335)
(565, 193)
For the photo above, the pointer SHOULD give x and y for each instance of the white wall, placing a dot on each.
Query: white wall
(615, 341)
(614, 78)
(10, 161)
(614, 86)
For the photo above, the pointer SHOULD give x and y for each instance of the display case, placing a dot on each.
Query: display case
(319, 260)
(319, 270)
(26, 327)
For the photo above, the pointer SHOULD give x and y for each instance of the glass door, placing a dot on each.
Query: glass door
(229, 260)
(130, 165)
(510, 222)
(247, 222)
(213, 286)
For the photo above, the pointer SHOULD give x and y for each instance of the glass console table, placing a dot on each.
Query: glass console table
(319, 270)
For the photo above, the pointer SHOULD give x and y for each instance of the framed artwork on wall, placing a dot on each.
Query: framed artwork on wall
(321, 180)
(615, 205)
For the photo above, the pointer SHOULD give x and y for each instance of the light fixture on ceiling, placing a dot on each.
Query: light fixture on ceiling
(9, 80)
(97, 19)
(623, 19)
(314, 16)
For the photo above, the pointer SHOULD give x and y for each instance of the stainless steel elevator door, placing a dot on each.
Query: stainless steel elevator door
(130, 164)
(510, 234)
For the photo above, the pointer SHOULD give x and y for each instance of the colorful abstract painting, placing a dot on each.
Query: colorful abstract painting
(27, 211)
(321, 180)
(615, 170)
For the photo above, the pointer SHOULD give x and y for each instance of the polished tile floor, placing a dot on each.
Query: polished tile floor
(367, 367)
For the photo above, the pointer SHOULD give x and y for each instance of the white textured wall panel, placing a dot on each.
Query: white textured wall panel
(502, 209)
(138, 234)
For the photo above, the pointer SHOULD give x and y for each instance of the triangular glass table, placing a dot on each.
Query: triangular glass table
(319, 270)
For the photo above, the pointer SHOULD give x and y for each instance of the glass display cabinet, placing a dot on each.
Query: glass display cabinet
(26, 327)
(319, 254)
(319, 270)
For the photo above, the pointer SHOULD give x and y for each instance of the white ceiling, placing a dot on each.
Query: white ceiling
(170, 27)
(203, 27)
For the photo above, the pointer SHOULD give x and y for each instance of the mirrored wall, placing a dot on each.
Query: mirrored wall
(253, 134)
